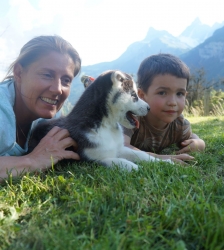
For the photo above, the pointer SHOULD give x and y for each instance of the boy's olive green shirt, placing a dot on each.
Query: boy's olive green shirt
(150, 139)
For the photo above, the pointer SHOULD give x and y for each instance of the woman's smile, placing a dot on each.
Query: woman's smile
(49, 101)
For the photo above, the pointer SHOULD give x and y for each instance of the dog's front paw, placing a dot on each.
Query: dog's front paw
(169, 160)
(129, 166)
(119, 162)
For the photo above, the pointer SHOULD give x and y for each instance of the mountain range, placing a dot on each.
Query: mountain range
(199, 46)
(208, 55)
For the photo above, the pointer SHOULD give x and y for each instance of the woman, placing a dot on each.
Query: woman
(36, 86)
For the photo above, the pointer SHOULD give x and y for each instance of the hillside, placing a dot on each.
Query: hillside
(198, 32)
(208, 55)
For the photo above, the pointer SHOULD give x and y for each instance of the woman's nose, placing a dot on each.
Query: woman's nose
(56, 86)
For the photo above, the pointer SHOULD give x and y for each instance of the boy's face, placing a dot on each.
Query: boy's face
(166, 98)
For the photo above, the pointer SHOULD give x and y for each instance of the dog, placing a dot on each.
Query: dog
(96, 119)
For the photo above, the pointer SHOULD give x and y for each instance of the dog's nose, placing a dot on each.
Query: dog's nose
(148, 108)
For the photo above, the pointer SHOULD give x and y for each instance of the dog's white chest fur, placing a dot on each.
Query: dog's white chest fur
(110, 150)
(108, 141)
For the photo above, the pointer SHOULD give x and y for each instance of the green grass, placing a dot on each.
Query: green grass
(161, 206)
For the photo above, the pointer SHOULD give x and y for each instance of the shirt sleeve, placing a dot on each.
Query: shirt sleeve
(7, 125)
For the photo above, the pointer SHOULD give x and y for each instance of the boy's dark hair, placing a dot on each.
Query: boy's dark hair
(160, 64)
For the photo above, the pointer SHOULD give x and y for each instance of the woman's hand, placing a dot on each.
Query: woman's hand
(52, 149)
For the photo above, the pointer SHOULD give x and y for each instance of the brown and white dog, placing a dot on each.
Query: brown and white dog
(94, 122)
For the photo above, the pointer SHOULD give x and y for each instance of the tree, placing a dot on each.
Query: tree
(199, 91)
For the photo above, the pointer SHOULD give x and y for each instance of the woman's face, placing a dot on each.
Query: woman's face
(43, 86)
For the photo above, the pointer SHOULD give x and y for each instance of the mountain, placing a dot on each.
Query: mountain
(198, 32)
(208, 55)
(154, 42)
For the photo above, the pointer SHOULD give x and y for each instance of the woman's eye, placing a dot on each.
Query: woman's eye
(66, 81)
(47, 75)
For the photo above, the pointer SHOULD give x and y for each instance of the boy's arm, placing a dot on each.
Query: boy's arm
(175, 158)
(194, 143)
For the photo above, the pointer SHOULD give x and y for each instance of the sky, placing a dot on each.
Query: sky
(100, 30)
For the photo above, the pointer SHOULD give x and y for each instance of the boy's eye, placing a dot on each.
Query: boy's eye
(180, 94)
(162, 93)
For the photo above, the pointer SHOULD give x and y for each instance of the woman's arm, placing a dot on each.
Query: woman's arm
(50, 150)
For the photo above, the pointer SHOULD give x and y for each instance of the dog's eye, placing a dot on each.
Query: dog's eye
(134, 95)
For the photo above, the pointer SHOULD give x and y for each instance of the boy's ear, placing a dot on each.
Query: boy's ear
(141, 93)
(17, 71)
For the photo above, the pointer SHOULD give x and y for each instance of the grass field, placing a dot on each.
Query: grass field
(161, 206)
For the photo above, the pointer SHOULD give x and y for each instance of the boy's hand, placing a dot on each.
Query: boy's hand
(191, 145)
(180, 158)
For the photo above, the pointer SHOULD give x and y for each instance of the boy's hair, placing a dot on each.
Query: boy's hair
(160, 64)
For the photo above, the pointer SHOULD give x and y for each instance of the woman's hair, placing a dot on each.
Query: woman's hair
(41, 45)
(160, 64)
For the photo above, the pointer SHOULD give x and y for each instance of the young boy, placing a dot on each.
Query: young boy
(162, 82)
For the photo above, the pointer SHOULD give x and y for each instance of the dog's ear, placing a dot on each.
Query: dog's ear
(119, 76)
(122, 80)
